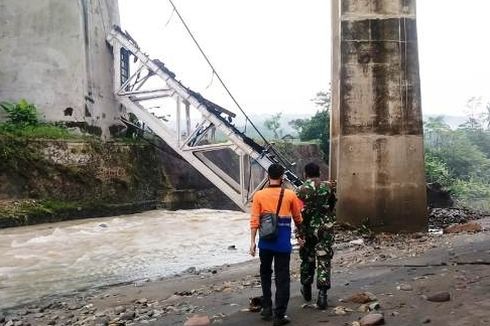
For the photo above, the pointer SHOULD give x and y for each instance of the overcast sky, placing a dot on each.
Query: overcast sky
(274, 55)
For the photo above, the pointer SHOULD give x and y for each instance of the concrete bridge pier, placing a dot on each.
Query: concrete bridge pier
(377, 151)
(54, 54)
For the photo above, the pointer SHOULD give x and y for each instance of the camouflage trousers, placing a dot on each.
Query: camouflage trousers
(316, 255)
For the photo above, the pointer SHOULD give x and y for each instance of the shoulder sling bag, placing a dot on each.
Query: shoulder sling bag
(268, 222)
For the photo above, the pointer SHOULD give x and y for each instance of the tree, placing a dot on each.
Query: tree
(486, 115)
(460, 159)
(476, 127)
(436, 170)
(435, 130)
(323, 99)
(318, 126)
(274, 124)
(297, 124)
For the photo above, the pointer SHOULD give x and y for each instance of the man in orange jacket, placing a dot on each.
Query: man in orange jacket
(277, 250)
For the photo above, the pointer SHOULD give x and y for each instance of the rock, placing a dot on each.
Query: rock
(374, 306)
(103, 225)
(437, 196)
(232, 247)
(355, 323)
(404, 287)
(171, 309)
(142, 301)
(102, 321)
(128, 315)
(74, 306)
(99, 322)
(89, 306)
(361, 298)
(2, 318)
(34, 310)
(119, 309)
(363, 308)
(191, 270)
(141, 282)
(441, 218)
(357, 242)
(198, 320)
(9, 323)
(372, 320)
(426, 321)
(339, 310)
(439, 297)
(471, 227)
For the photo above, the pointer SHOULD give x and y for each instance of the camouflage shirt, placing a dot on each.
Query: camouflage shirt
(318, 211)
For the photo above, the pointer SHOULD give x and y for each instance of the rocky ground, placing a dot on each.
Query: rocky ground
(436, 278)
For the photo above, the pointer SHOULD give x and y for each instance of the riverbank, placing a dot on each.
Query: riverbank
(24, 212)
(51, 180)
(400, 270)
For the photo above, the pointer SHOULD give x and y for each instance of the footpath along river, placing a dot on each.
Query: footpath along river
(62, 258)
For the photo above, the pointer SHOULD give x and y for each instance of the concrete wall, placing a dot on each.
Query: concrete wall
(377, 142)
(53, 53)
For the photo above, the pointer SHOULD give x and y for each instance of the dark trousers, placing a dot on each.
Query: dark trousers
(281, 270)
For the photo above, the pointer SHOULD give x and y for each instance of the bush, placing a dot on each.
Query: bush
(20, 114)
(472, 193)
(22, 121)
(436, 170)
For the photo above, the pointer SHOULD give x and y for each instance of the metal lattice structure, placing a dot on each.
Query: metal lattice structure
(193, 144)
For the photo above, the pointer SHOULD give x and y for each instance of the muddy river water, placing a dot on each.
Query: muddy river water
(62, 258)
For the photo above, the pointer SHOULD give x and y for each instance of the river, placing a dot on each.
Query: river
(62, 258)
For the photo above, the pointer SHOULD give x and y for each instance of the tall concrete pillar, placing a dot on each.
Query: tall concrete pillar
(377, 141)
(53, 53)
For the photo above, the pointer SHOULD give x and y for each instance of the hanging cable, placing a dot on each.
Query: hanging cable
(215, 72)
(170, 18)
(211, 80)
(249, 176)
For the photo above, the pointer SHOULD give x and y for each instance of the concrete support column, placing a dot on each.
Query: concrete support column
(377, 141)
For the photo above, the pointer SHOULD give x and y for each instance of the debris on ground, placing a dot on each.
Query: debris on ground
(360, 298)
(470, 227)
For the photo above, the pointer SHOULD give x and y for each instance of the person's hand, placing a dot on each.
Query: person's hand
(301, 242)
(252, 249)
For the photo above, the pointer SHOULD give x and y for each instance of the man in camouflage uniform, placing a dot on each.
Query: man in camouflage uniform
(316, 235)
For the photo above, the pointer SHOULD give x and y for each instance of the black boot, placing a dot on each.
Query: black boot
(322, 299)
(306, 292)
(266, 313)
(279, 321)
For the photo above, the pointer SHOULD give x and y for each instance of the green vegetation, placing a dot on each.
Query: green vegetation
(29, 211)
(23, 121)
(20, 114)
(318, 126)
(40, 131)
(460, 159)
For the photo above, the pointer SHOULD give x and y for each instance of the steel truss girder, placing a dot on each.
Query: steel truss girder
(238, 192)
